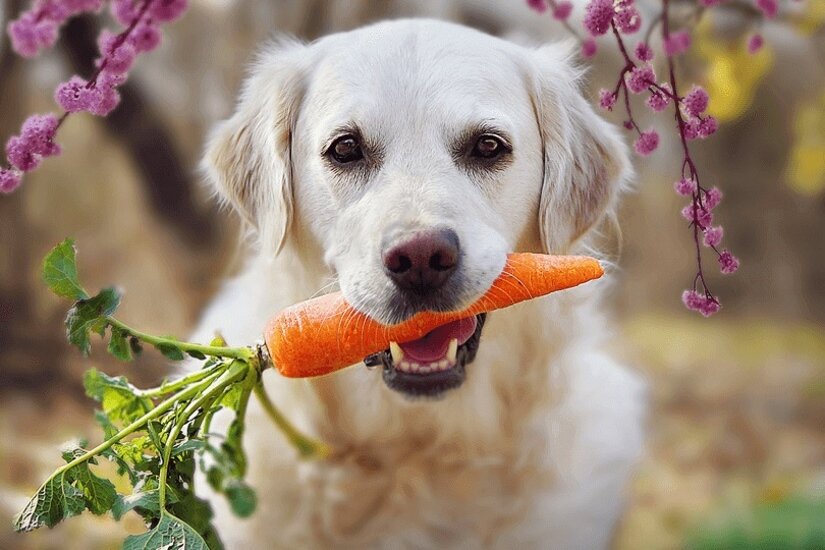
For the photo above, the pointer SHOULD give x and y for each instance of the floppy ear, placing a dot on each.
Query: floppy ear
(585, 158)
(247, 157)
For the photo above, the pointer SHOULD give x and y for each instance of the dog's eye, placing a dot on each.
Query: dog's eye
(346, 149)
(489, 146)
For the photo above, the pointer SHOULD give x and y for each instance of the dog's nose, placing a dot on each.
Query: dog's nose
(423, 261)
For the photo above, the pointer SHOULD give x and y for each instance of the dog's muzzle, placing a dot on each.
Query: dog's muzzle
(433, 364)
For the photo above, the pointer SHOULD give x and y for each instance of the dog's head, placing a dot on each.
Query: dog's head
(416, 155)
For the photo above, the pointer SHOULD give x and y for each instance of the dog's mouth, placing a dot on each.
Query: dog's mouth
(433, 364)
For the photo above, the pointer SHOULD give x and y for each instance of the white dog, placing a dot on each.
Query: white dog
(402, 162)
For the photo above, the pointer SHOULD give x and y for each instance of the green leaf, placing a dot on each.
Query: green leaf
(170, 533)
(154, 428)
(143, 501)
(195, 354)
(90, 315)
(119, 345)
(121, 401)
(188, 445)
(241, 497)
(171, 351)
(60, 271)
(198, 514)
(55, 501)
(99, 493)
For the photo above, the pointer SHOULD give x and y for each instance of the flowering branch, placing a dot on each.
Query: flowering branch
(637, 76)
(38, 29)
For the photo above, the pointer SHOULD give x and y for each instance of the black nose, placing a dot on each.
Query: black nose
(422, 261)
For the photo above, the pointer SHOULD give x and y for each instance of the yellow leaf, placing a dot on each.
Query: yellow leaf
(733, 74)
(806, 166)
(811, 18)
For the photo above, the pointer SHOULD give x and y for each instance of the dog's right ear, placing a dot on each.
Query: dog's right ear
(247, 157)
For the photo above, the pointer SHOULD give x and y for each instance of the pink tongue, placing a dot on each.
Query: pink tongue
(433, 346)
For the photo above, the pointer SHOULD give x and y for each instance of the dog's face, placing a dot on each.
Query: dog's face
(417, 155)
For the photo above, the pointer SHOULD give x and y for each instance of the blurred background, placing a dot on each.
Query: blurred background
(736, 446)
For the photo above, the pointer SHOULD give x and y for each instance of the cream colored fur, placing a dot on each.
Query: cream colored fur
(535, 448)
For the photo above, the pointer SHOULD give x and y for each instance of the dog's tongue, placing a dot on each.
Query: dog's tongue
(433, 346)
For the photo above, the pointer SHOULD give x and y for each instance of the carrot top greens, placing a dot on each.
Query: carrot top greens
(154, 436)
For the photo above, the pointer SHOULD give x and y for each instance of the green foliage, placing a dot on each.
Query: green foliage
(56, 500)
(796, 523)
(90, 315)
(156, 436)
(170, 534)
(60, 271)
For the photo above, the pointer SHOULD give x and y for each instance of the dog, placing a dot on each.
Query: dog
(400, 163)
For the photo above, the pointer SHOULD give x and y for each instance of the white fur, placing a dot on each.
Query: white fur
(534, 449)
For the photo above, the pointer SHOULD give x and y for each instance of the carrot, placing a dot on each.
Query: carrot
(326, 334)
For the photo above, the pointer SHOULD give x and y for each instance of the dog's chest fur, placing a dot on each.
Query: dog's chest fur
(458, 472)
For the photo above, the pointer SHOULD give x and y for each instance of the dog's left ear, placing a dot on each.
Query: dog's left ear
(585, 158)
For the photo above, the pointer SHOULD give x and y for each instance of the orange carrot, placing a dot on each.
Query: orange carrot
(326, 334)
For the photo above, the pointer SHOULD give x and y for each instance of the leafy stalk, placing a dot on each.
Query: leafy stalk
(155, 436)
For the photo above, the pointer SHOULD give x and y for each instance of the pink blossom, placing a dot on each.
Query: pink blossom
(607, 99)
(29, 36)
(712, 198)
(728, 263)
(588, 48)
(628, 20)
(710, 307)
(713, 236)
(677, 43)
(118, 54)
(537, 5)
(647, 142)
(700, 127)
(692, 300)
(9, 180)
(597, 16)
(685, 187)
(658, 100)
(644, 52)
(105, 102)
(755, 43)
(39, 132)
(703, 217)
(708, 127)
(124, 11)
(145, 37)
(37, 28)
(696, 101)
(705, 305)
(35, 141)
(562, 10)
(640, 78)
(167, 10)
(74, 95)
(768, 7)
(108, 79)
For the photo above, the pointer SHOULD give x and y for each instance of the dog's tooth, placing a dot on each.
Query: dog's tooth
(397, 352)
(415, 367)
(403, 366)
(434, 365)
(443, 363)
(452, 350)
(424, 369)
